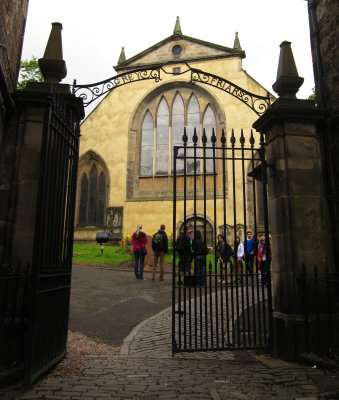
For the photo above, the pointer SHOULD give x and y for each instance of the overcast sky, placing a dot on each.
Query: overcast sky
(95, 31)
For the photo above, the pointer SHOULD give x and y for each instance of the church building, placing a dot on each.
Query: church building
(125, 172)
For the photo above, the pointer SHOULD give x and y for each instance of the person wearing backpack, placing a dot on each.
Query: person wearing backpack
(160, 248)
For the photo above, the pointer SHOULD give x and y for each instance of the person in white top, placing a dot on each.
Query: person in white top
(240, 252)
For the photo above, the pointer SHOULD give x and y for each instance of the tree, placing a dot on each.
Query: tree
(29, 72)
(312, 96)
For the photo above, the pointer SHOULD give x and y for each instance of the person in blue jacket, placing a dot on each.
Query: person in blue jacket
(250, 250)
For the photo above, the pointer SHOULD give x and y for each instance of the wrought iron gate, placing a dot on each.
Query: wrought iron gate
(53, 242)
(218, 306)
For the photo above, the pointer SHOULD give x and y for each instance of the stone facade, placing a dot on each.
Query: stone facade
(113, 131)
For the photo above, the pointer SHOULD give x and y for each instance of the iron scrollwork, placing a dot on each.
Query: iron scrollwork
(259, 104)
(91, 92)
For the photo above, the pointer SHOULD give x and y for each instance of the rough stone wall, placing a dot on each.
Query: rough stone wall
(327, 12)
(12, 25)
(326, 32)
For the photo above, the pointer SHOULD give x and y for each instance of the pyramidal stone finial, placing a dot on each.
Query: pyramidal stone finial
(177, 28)
(236, 45)
(288, 81)
(122, 57)
(52, 65)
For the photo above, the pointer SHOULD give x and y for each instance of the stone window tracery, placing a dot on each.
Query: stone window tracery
(163, 127)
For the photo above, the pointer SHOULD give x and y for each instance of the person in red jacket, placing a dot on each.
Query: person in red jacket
(264, 260)
(139, 240)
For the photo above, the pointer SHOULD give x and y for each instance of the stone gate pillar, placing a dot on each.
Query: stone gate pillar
(297, 207)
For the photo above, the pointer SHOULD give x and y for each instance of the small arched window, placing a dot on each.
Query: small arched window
(92, 196)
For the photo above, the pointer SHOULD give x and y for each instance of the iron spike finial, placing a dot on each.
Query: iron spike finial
(52, 65)
(242, 138)
(223, 138)
(195, 137)
(184, 137)
(213, 138)
(204, 137)
(288, 81)
(233, 140)
(252, 140)
(177, 27)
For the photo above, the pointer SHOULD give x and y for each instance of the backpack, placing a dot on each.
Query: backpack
(158, 241)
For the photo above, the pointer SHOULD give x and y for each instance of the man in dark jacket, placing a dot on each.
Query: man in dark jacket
(224, 252)
(183, 248)
(160, 248)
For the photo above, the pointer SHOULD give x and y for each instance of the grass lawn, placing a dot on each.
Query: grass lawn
(84, 253)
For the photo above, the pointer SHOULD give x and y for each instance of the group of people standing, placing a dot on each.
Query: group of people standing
(254, 257)
(159, 247)
(191, 248)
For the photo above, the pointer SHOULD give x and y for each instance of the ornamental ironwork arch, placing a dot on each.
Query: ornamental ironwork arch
(91, 92)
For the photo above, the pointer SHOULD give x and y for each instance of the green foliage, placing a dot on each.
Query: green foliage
(312, 96)
(84, 253)
(29, 72)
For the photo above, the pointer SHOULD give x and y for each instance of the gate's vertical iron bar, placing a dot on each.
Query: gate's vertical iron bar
(267, 243)
(242, 152)
(304, 301)
(214, 140)
(330, 303)
(68, 209)
(316, 305)
(184, 139)
(255, 286)
(72, 191)
(222, 323)
(204, 143)
(174, 270)
(60, 160)
(56, 191)
(233, 287)
(195, 140)
(245, 311)
(255, 219)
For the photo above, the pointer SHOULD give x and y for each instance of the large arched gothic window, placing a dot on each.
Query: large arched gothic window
(163, 127)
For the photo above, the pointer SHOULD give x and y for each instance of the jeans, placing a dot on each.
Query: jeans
(139, 264)
(158, 255)
(199, 269)
(249, 262)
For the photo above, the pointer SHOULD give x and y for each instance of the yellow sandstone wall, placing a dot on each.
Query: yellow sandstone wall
(106, 131)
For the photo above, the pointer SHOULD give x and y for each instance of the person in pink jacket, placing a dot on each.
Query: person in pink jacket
(139, 240)
(264, 260)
